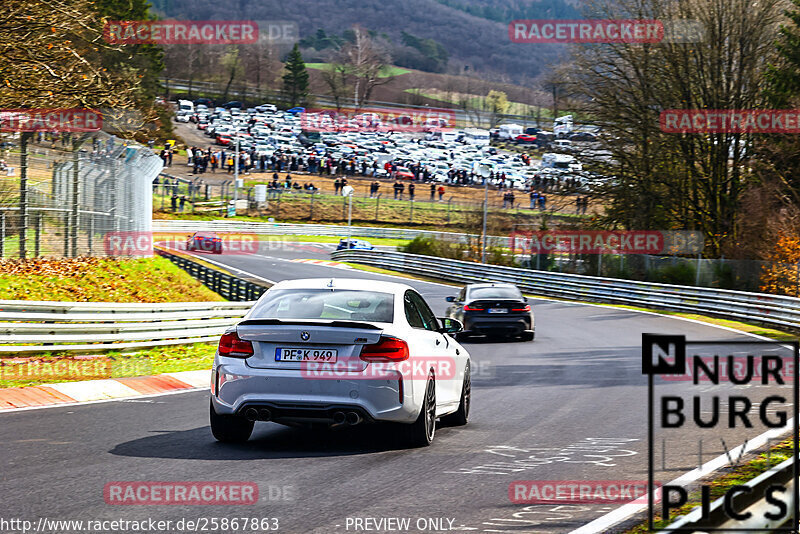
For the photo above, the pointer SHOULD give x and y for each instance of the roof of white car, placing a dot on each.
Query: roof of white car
(343, 283)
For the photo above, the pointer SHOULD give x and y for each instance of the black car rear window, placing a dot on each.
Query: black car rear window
(495, 293)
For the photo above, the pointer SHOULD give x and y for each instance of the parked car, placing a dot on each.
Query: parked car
(402, 173)
(583, 136)
(269, 367)
(525, 138)
(355, 244)
(492, 310)
(204, 242)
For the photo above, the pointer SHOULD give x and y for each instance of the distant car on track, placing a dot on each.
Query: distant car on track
(493, 310)
(355, 244)
(205, 242)
(370, 334)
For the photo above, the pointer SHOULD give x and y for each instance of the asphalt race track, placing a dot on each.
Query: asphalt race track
(572, 404)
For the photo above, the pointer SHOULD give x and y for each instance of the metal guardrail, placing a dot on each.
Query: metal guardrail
(31, 327)
(227, 285)
(772, 310)
(263, 228)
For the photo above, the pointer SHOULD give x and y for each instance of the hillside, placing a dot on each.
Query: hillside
(472, 42)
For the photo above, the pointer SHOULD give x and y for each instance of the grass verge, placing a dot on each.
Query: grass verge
(100, 280)
(50, 368)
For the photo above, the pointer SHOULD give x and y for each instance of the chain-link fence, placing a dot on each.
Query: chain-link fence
(60, 194)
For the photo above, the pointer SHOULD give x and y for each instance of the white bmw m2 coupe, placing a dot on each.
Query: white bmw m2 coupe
(340, 352)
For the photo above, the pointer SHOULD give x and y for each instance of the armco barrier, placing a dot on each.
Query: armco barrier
(90, 327)
(772, 310)
(82, 327)
(229, 286)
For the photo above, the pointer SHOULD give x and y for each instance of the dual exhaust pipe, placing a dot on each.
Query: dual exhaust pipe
(349, 418)
(339, 418)
(260, 414)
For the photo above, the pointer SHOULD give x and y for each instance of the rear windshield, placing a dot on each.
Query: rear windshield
(351, 305)
(495, 293)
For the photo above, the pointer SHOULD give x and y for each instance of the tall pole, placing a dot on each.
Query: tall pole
(485, 210)
(23, 193)
(74, 198)
(236, 172)
(349, 218)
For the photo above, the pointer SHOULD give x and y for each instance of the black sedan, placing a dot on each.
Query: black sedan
(493, 310)
(204, 242)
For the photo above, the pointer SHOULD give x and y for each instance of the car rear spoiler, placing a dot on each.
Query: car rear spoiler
(311, 322)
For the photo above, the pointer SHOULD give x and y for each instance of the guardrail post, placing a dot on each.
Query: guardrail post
(697, 274)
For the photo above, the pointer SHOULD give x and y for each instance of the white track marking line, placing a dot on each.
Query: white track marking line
(120, 399)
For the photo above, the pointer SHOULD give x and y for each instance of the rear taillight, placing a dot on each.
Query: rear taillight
(467, 307)
(387, 349)
(232, 346)
(527, 308)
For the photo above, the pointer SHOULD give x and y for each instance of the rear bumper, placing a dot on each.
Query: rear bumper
(294, 397)
(496, 325)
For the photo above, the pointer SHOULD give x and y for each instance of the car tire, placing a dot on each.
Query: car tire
(230, 428)
(528, 336)
(461, 416)
(421, 432)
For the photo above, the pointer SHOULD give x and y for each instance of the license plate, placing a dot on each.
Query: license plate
(305, 355)
(498, 310)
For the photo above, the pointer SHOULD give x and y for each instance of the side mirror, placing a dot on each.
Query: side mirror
(450, 299)
(450, 326)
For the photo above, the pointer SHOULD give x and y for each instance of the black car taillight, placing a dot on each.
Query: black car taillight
(467, 307)
(527, 308)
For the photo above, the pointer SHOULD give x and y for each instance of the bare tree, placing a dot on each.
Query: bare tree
(366, 60)
(335, 77)
(664, 180)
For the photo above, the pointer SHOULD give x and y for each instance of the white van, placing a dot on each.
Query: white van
(476, 136)
(509, 131)
(563, 126)
(185, 105)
